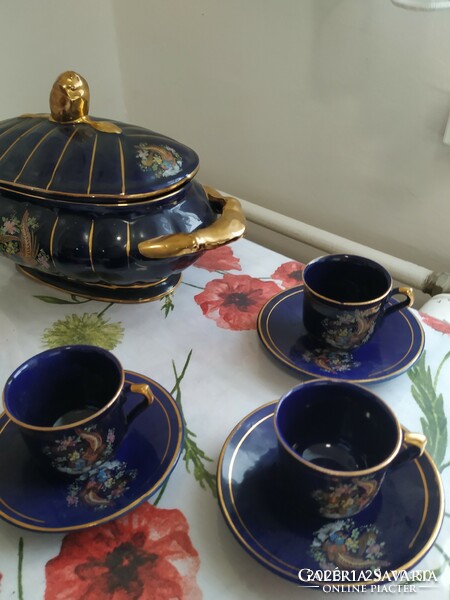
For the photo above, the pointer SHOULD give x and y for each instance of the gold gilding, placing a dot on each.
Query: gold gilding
(91, 238)
(58, 162)
(91, 168)
(69, 98)
(175, 433)
(17, 140)
(128, 242)
(226, 480)
(409, 293)
(31, 154)
(144, 390)
(418, 440)
(52, 237)
(121, 200)
(426, 503)
(264, 328)
(99, 296)
(122, 166)
(69, 103)
(229, 227)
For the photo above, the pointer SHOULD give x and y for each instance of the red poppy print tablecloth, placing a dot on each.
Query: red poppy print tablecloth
(200, 344)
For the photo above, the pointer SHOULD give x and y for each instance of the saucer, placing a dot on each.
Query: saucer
(395, 346)
(142, 464)
(393, 533)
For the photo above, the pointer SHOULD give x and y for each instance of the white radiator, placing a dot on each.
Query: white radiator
(421, 278)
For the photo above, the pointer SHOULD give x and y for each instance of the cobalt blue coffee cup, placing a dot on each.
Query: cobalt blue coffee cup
(336, 441)
(69, 404)
(345, 299)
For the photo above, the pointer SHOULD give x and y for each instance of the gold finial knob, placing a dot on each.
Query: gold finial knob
(69, 98)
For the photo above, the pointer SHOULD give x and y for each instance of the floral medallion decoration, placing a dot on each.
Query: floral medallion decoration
(219, 259)
(234, 301)
(343, 545)
(289, 273)
(99, 488)
(80, 451)
(350, 328)
(146, 554)
(345, 499)
(163, 160)
(18, 240)
(333, 361)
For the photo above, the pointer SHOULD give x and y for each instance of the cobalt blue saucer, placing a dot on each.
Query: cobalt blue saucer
(395, 346)
(393, 534)
(142, 464)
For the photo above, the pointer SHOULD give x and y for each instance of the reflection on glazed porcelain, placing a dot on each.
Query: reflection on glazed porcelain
(345, 498)
(336, 442)
(71, 406)
(31, 500)
(97, 208)
(346, 297)
(391, 351)
(393, 534)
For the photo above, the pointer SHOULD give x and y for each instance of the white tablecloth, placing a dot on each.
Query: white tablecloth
(212, 321)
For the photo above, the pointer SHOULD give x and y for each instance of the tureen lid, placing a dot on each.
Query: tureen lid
(69, 155)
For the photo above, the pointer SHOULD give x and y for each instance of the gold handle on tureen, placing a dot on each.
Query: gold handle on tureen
(229, 227)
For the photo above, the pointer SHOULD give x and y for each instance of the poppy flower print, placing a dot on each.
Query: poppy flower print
(235, 300)
(145, 554)
(435, 324)
(289, 273)
(219, 259)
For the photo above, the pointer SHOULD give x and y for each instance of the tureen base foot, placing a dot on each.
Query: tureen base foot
(103, 293)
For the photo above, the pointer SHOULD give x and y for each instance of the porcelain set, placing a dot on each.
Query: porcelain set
(111, 211)
(103, 439)
(337, 482)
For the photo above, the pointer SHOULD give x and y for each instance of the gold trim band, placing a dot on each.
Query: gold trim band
(121, 199)
(69, 426)
(344, 474)
(61, 288)
(290, 570)
(141, 498)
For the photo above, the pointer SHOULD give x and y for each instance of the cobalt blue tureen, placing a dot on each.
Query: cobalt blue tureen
(104, 209)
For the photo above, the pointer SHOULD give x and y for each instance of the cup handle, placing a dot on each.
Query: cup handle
(408, 301)
(144, 390)
(414, 447)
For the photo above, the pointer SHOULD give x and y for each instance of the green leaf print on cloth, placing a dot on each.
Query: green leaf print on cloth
(193, 456)
(431, 403)
(434, 423)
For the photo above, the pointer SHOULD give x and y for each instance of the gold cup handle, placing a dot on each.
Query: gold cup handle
(144, 390)
(229, 227)
(417, 440)
(408, 292)
(413, 447)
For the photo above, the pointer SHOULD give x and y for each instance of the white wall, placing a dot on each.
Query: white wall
(40, 39)
(329, 111)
